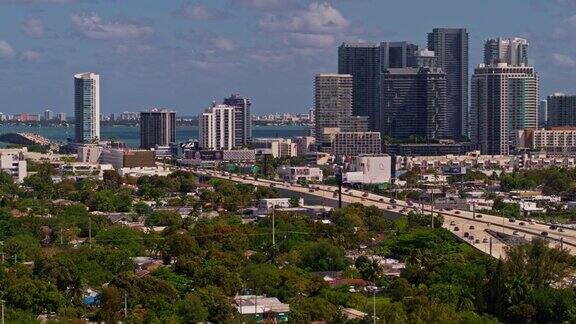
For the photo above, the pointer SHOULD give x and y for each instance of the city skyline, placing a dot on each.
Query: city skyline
(182, 54)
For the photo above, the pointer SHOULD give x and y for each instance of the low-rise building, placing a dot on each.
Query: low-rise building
(81, 170)
(265, 308)
(304, 144)
(552, 141)
(369, 169)
(277, 147)
(89, 153)
(355, 143)
(295, 174)
(12, 162)
(121, 158)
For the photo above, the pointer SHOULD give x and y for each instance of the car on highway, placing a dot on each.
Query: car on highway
(553, 227)
(410, 203)
(365, 195)
(511, 220)
(561, 230)
(272, 185)
(392, 201)
(457, 212)
(522, 224)
(381, 200)
(310, 190)
(389, 207)
(515, 233)
(478, 216)
(544, 233)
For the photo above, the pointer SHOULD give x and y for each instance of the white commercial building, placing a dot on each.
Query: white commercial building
(217, 128)
(87, 107)
(89, 153)
(277, 147)
(12, 162)
(294, 174)
(369, 169)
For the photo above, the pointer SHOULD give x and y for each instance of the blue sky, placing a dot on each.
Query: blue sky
(184, 54)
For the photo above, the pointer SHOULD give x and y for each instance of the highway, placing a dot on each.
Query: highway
(467, 223)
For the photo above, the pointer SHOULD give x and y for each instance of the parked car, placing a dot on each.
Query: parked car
(522, 223)
(466, 234)
(456, 229)
(485, 240)
(471, 227)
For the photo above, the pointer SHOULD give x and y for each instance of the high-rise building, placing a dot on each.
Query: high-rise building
(513, 51)
(450, 45)
(413, 103)
(61, 117)
(542, 113)
(217, 128)
(561, 110)
(157, 128)
(423, 58)
(356, 143)
(504, 100)
(87, 107)
(332, 104)
(242, 114)
(362, 62)
(48, 115)
(396, 54)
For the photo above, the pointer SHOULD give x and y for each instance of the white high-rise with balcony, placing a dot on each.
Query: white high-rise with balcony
(87, 107)
(217, 128)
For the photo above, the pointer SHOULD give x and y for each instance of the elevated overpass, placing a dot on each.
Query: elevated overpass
(26, 139)
(473, 228)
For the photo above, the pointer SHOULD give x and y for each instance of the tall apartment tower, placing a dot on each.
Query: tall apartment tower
(413, 103)
(396, 54)
(157, 128)
(87, 107)
(48, 115)
(561, 110)
(362, 62)
(243, 116)
(513, 51)
(504, 100)
(332, 104)
(543, 113)
(217, 130)
(450, 45)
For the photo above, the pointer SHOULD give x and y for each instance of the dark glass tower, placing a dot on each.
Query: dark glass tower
(362, 61)
(450, 45)
(157, 127)
(413, 103)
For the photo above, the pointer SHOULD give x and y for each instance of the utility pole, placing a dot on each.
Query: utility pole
(125, 305)
(490, 245)
(273, 228)
(473, 210)
(374, 305)
(339, 182)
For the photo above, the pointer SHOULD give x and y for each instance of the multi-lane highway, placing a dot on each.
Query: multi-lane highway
(470, 227)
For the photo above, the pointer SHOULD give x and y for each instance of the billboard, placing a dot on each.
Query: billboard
(453, 170)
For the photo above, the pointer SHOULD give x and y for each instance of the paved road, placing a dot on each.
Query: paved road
(461, 219)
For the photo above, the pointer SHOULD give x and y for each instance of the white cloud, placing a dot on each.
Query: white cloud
(31, 55)
(223, 44)
(92, 26)
(262, 4)
(563, 60)
(6, 49)
(307, 30)
(318, 18)
(197, 12)
(33, 28)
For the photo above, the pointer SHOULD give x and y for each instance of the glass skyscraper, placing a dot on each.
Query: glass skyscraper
(87, 107)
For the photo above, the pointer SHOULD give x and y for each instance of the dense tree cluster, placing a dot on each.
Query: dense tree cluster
(54, 248)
